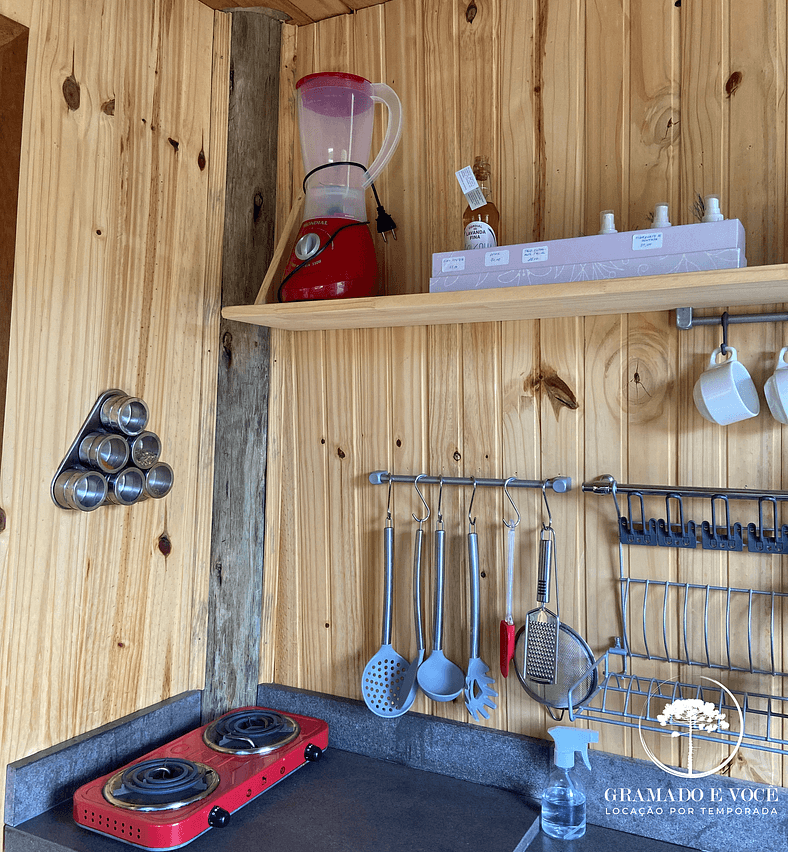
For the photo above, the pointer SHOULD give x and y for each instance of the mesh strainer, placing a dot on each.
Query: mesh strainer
(574, 660)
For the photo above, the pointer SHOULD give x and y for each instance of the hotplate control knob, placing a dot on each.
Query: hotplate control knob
(218, 817)
(313, 752)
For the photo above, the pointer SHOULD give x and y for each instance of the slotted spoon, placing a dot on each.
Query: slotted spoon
(384, 672)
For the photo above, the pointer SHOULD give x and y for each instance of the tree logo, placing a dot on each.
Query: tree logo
(692, 721)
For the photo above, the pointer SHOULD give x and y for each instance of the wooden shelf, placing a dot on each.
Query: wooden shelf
(759, 285)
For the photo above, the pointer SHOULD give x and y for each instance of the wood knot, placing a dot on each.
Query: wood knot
(108, 107)
(471, 12)
(558, 391)
(201, 160)
(340, 452)
(174, 142)
(734, 81)
(71, 92)
(165, 545)
(227, 349)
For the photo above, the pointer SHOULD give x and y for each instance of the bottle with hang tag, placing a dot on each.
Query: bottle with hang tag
(481, 219)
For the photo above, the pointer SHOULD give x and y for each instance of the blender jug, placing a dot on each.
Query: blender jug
(334, 256)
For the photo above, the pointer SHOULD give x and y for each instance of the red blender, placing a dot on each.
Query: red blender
(334, 256)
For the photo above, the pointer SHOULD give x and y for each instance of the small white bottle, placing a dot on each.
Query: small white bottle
(564, 800)
(661, 219)
(607, 222)
(711, 205)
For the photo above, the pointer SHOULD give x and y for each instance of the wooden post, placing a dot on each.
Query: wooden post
(234, 604)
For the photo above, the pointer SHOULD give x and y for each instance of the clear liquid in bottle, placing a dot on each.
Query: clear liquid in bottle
(564, 813)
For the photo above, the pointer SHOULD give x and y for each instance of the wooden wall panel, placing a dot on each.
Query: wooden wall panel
(582, 107)
(104, 613)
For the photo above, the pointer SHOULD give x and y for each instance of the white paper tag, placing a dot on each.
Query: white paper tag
(470, 188)
(648, 240)
(536, 253)
(452, 264)
(496, 258)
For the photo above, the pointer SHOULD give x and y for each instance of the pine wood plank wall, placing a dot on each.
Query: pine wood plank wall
(581, 107)
(116, 285)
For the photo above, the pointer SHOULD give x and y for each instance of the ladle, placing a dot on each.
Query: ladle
(439, 678)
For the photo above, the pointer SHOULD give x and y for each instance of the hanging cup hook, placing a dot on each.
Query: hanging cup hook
(549, 523)
(440, 500)
(472, 521)
(420, 521)
(724, 345)
(511, 524)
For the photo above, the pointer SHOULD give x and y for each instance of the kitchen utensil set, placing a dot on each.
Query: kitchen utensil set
(553, 663)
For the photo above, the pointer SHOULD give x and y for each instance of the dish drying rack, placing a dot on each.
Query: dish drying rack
(692, 613)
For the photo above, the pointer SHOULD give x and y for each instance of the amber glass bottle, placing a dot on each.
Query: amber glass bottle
(481, 225)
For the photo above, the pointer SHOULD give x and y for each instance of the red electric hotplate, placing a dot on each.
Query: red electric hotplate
(175, 793)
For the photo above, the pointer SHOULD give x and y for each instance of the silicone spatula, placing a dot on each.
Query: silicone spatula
(507, 625)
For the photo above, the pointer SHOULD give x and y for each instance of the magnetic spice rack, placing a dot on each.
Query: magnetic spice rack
(692, 618)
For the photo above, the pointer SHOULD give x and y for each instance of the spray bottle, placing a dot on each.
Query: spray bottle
(563, 801)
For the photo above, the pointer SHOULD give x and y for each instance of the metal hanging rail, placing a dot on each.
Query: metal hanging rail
(685, 319)
(606, 484)
(559, 484)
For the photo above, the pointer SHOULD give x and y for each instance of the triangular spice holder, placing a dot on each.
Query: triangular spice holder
(114, 459)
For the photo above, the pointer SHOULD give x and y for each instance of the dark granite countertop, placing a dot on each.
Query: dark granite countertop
(348, 801)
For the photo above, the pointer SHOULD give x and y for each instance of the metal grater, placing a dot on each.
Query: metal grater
(541, 625)
(541, 650)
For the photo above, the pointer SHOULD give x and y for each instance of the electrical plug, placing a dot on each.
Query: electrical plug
(385, 224)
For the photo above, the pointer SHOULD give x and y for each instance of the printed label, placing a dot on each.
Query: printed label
(496, 258)
(649, 240)
(452, 264)
(479, 235)
(470, 188)
(536, 253)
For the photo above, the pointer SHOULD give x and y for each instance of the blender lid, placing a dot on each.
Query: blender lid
(335, 78)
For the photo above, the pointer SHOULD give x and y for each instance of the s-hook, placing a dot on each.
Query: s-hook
(724, 319)
(549, 524)
(511, 524)
(472, 521)
(419, 521)
(388, 508)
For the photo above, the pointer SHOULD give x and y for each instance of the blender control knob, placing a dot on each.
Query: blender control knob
(307, 246)
(313, 752)
(218, 817)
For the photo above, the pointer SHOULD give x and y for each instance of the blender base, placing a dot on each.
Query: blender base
(344, 264)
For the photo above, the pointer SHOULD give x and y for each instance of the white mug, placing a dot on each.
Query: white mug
(725, 392)
(775, 388)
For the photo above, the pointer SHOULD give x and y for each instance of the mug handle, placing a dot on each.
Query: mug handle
(782, 364)
(731, 357)
(385, 95)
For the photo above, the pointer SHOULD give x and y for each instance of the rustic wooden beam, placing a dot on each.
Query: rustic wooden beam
(234, 606)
